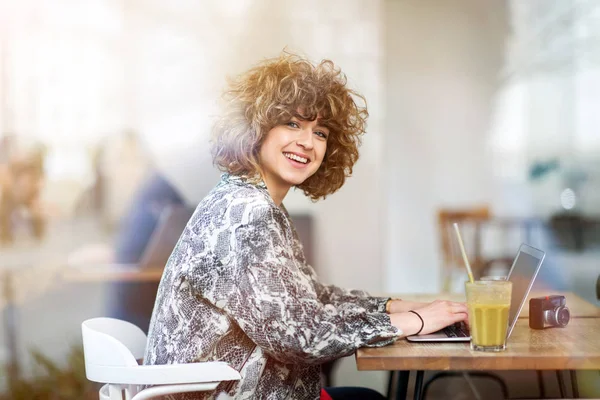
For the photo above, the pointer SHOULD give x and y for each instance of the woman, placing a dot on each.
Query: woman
(237, 287)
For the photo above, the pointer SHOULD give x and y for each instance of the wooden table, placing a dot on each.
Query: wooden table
(575, 347)
(113, 273)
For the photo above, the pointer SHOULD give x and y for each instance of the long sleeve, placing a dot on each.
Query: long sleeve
(330, 294)
(260, 285)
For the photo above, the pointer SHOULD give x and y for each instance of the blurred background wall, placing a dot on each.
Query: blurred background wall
(471, 104)
(443, 66)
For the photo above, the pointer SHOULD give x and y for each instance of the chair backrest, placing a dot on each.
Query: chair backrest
(112, 342)
(467, 218)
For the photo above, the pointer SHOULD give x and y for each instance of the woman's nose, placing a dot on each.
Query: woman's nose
(306, 139)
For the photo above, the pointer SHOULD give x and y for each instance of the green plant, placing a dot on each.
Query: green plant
(53, 382)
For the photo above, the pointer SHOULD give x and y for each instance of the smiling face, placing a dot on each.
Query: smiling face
(290, 154)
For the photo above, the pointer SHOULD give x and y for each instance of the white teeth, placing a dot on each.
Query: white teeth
(296, 158)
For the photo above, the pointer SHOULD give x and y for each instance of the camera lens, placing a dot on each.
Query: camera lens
(558, 316)
(563, 315)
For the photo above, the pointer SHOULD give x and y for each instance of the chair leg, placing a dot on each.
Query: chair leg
(561, 384)
(115, 392)
(103, 393)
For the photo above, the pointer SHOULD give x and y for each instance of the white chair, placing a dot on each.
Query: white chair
(111, 348)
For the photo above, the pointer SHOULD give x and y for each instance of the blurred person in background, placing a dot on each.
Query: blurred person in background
(178, 177)
(21, 179)
(237, 287)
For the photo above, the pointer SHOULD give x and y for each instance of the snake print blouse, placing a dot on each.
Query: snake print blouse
(237, 289)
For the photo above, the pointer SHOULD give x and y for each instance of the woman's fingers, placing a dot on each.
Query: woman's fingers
(458, 307)
(458, 317)
(442, 313)
(453, 306)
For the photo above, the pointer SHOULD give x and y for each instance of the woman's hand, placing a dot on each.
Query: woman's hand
(436, 315)
(400, 306)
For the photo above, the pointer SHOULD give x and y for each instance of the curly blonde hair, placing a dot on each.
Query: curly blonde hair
(270, 94)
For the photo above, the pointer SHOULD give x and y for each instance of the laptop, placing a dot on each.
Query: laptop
(522, 274)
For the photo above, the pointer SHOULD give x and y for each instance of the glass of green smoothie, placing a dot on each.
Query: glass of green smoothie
(488, 303)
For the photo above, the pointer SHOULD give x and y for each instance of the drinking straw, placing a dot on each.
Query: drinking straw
(464, 253)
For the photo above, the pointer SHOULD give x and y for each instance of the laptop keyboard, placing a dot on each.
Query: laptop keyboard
(460, 329)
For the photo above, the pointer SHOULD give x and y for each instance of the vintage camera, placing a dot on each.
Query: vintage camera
(548, 311)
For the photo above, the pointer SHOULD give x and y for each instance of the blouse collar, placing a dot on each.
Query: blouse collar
(243, 180)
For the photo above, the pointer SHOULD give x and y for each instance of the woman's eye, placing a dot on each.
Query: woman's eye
(321, 134)
(292, 124)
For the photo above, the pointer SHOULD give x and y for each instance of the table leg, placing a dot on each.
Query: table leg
(574, 384)
(390, 385)
(402, 387)
(561, 384)
(418, 395)
(540, 379)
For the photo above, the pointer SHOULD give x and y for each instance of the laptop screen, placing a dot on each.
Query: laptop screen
(522, 275)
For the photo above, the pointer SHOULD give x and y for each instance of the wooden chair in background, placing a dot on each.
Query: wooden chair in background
(470, 221)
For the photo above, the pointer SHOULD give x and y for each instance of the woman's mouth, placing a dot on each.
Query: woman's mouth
(296, 158)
